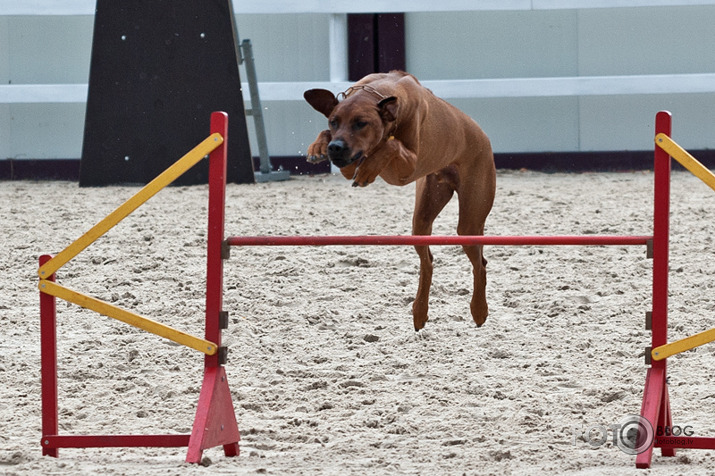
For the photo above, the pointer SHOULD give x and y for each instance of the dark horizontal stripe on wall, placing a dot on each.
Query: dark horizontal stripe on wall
(296, 165)
(605, 161)
(40, 169)
(68, 169)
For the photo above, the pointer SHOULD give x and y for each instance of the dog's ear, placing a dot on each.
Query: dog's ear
(322, 100)
(388, 109)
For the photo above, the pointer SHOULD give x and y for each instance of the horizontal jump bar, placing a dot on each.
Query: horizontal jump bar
(421, 240)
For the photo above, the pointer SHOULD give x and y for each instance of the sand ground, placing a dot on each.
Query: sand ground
(327, 374)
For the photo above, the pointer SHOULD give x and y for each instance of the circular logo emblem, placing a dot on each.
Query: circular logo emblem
(635, 435)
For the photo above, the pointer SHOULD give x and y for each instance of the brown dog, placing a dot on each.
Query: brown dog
(391, 126)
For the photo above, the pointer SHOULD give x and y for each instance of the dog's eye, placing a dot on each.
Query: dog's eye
(333, 124)
(360, 124)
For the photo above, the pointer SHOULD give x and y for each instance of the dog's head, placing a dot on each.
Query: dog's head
(357, 124)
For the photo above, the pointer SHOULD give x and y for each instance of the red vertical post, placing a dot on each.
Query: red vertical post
(661, 261)
(48, 364)
(661, 234)
(215, 422)
(656, 406)
(214, 260)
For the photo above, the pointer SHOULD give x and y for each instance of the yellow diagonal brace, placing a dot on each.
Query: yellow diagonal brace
(665, 351)
(149, 190)
(685, 159)
(87, 302)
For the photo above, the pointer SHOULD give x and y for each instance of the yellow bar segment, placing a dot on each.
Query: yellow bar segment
(87, 302)
(685, 159)
(149, 190)
(665, 351)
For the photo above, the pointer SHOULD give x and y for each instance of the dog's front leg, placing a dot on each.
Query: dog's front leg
(318, 150)
(392, 161)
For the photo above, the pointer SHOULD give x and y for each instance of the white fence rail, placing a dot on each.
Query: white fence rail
(448, 89)
(337, 9)
(86, 7)
(691, 75)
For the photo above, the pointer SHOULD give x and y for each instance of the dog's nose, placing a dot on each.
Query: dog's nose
(337, 148)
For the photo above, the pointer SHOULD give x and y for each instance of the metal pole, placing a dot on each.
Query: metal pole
(256, 111)
(256, 108)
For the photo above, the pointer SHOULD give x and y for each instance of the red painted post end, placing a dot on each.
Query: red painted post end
(48, 365)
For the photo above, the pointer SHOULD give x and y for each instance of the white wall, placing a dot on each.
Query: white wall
(287, 48)
(5, 148)
(43, 50)
(473, 45)
(552, 43)
(454, 45)
(646, 41)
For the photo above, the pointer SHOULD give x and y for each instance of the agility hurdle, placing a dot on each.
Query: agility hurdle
(215, 407)
(656, 405)
(215, 421)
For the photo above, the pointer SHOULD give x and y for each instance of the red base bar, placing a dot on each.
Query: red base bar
(114, 441)
(422, 240)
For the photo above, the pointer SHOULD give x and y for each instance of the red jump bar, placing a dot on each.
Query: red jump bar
(422, 240)
(114, 441)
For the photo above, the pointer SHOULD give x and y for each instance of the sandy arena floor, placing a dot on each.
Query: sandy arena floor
(327, 374)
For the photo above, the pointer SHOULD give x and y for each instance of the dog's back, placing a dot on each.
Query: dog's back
(446, 134)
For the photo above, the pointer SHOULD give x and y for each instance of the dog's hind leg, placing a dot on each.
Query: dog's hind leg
(474, 206)
(432, 194)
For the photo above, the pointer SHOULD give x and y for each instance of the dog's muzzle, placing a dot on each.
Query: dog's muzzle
(339, 153)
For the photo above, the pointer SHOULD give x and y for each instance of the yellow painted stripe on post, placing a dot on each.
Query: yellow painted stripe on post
(665, 351)
(685, 159)
(87, 302)
(149, 190)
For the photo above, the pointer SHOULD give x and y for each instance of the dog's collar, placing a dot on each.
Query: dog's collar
(363, 87)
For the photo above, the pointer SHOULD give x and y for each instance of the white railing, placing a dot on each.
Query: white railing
(448, 89)
(86, 7)
(336, 11)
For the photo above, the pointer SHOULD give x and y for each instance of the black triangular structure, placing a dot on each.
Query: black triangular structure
(158, 68)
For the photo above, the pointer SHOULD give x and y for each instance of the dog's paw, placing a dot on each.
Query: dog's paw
(375, 163)
(366, 174)
(363, 178)
(316, 159)
(318, 150)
